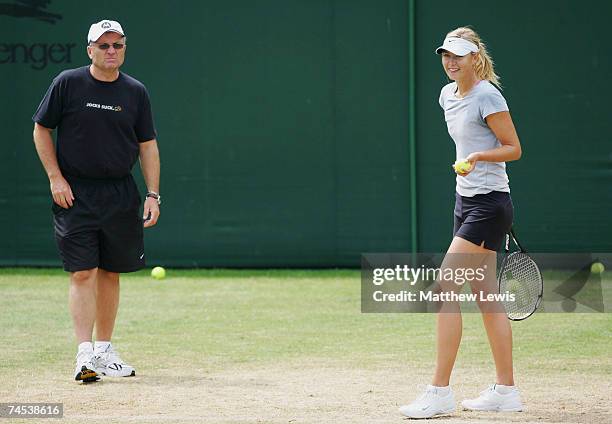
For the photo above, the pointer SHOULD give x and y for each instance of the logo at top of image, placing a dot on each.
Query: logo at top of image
(106, 25)
(34, 9)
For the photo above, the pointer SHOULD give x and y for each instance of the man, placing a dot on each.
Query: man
(104, 123)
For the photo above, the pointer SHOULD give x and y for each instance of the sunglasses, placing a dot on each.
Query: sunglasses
(106, 46)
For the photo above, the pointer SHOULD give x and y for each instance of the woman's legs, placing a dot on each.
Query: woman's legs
(500, 338)
(438, 399)
(448, 337)
(465, 254)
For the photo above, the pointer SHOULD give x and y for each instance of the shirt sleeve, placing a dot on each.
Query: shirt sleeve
(49, 112)
(145, 127)
(492, 102)
(441, 98)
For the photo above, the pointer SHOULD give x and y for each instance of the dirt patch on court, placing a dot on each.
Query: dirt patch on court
(313, 392)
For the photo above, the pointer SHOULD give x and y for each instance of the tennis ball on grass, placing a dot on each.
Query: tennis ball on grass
(462, 166)
(597, 268)
(158, 273)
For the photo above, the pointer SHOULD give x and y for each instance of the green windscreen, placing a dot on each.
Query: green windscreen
(284, 124)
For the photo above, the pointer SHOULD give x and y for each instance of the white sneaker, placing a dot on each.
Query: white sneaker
(85, 369)
(492, 400)
(107, 362)
(430, 403)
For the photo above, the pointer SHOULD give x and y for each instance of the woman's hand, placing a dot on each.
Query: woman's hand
(471, 159)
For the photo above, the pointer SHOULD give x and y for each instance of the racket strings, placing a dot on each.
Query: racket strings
(521, 277)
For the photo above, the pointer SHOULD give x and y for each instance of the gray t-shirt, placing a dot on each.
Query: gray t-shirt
(465, 118)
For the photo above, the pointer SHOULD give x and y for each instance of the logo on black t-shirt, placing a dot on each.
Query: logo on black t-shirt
(104, 107)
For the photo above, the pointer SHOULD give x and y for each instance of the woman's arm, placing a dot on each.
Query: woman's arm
(502, 126)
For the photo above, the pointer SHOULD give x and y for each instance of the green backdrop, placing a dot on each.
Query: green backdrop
(284, 125)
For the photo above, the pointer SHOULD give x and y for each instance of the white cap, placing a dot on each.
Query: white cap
(96, 30)
(458, 46)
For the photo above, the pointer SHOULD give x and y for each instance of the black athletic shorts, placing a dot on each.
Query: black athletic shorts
(484, 217)
(103, 228)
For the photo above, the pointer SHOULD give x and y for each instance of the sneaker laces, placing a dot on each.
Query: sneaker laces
(429, 393)
(83, 357)
(109, 356)
(487, 391)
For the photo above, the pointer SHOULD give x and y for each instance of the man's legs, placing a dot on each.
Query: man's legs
(82, 301)
(94, 297)
(108, 362)
(107, 304)
(121, 250)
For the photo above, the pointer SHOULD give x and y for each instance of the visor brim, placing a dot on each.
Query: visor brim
(456, 50)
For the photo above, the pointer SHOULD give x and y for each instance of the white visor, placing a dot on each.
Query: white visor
(458, 46)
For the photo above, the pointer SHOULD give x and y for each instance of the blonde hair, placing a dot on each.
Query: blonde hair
(483, 65)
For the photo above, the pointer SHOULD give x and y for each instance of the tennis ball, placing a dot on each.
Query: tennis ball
(513, 285)
(158, 273)
(597, 268)
(462, 166)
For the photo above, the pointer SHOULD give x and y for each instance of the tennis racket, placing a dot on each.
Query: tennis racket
(520, 275)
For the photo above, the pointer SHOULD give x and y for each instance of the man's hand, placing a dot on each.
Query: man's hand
(60, 189)
(151, 212)
(61, 192)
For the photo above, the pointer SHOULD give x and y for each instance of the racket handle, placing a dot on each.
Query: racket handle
(516, 240)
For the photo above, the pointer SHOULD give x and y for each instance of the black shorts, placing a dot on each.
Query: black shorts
(103, 228)
(484, 217)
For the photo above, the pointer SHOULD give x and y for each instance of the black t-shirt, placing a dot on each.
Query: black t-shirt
(100, 124)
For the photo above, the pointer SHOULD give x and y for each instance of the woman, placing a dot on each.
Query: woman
(479, 122)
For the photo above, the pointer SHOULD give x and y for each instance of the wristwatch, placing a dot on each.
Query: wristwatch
(154, 195)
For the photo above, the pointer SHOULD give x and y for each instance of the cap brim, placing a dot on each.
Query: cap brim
(108, 30)
(114, 30)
